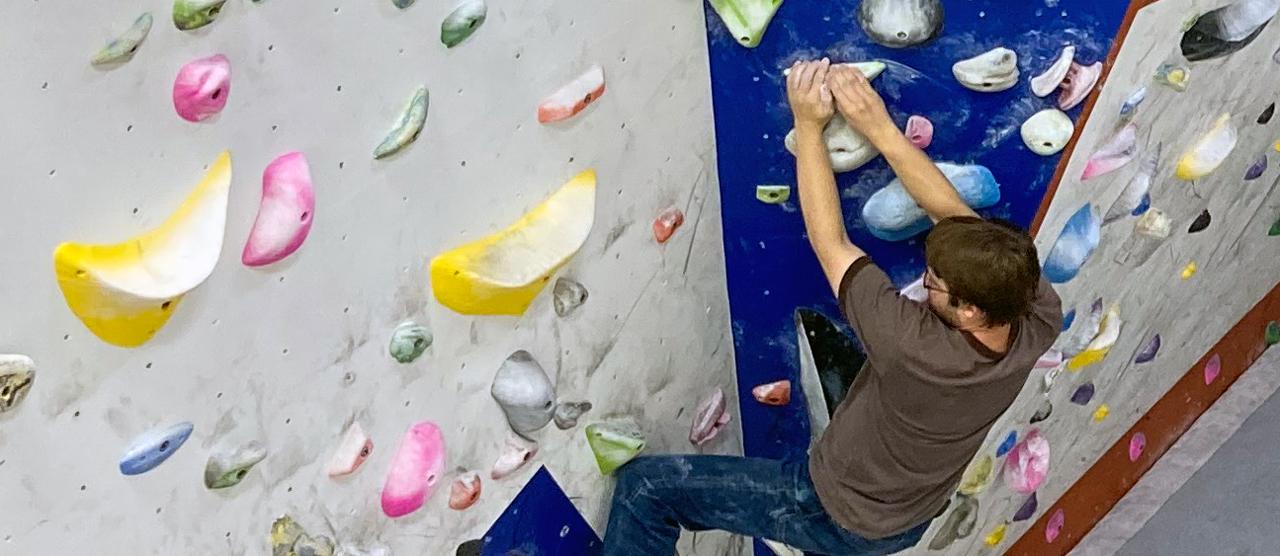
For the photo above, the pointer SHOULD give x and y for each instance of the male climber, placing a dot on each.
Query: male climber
(937, 375)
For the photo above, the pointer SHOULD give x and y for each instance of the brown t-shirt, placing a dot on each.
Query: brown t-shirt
(921, 407)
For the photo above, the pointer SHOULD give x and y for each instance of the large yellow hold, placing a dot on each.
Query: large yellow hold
(502, 273)
(125, 292)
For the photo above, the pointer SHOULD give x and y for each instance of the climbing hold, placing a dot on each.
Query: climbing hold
(226, 468)
(1189, 270)
(465, 491)
(462, 22)
(201, 88)
(524, 392)
(502, 273)
(870, 70)
(1149, 351)
(1267, 113)
(1083, 394)
(1067, 319)
(1142, 206)
(1130, 106)
(977, 476)
(709, 419)
(919, 131)
(1256, 169)
(1212, 369)
(515, 454)
(1047, 132)
(473, 547)
(1101, 413)
(307, 545)
(959, 523)
(1137, 188)
(1226, 30)
(614, 444)
(407, 127)
(1079, 82)
(402, 4)
(1200, 223)
(567, 296)
(285, 213)
(996, 535)
(1117, 151)
(847, 149)
(415, 469)
(1049, 359)
(567, 414)
(17, 375)
(1054, 526)
(1077, 241)
(1173, 76)
(992, 71)
(773, 393)
(409, 340)
(194, 14)
(1043, 412)
(1108, 333)
(773, 194)
(1007, 444)
(122, 48)
(153, 447)
(284, 532)
(1027, 509)
(900, 23)
(1137, 443)
(1209, 151)
(1047, 82)
(124, 293)
(1050, 377)
(1275, 229)
(1271, 336)
(666, 224)
(1149, 232)
(1028, 463)
(892, 214)
(354, 448)
(574, 97)
(1077, 342)
(746, 19)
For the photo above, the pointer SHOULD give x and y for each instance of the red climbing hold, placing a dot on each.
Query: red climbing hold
(667, 223)
(774, 393)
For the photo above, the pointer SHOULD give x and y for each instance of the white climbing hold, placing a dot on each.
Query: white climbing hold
(992, 71)
(1047, 132)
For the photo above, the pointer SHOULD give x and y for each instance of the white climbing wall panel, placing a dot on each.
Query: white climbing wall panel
(290, 353)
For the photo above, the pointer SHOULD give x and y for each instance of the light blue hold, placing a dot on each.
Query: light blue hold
(1078, 240)
(152, 448)
(892, 215)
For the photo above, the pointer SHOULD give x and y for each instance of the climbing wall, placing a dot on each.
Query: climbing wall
(290, 354)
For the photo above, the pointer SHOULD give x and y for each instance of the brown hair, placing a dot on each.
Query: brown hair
(990, 264)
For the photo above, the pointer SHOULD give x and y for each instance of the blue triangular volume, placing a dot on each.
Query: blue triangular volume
(541, 521)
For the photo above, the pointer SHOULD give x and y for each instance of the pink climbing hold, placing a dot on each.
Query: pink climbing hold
(1117, 151)
(666, 224)
(415, 470)
(774, 393)
(1028, 463)
(285, 213)
(1049, 360)
(1053, 527)
(1212, 369)
(516, 453)
(919, 131)
(202, 87)
(1077, 85)
(1137, 443)
(465, 491)
(709, 419)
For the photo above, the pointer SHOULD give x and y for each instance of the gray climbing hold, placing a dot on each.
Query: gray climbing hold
(959, 523)
(900, 23)
(122, 48)
(1043, 412)
(462, 22)
(567, 296)
(402, 4)
(227, 468)
(409, 340)
(524, 392)
(567, 413)
(17, 375)
(407, 127)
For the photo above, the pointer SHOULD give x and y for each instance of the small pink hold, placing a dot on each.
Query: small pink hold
(709, 419)
(919, 131)
(1137, 443)
(285, 213)
(1077, 85)
(1028, 463)
(415, 470)
(1049, 360)
(1212, 369)
(774, 393)
(1054, 526)
(514, 455)
(667, 223)
(465, 491)
(202, 87)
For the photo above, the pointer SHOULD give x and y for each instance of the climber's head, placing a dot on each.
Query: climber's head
(981, 273)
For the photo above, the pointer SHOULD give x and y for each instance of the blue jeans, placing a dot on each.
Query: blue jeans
(657, 495)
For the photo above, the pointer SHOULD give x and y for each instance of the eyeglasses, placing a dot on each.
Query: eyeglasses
(927, 278)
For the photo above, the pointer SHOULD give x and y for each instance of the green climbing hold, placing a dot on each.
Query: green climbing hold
(746, 19)
(773, 194)
(614, 444)
(1273, 333)
(1275, 229)
(228, 468)
(194, 14)
(409, 340)
(462, 22)
(407, 127)
(121, 48)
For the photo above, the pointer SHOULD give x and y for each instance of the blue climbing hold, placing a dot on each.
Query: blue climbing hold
(1008, 443)
(1143, 206)
(892, 215)
(152, 448)
(1067, 319)
(1078, 240)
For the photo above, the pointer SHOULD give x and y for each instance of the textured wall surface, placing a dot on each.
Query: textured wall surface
(289, 354)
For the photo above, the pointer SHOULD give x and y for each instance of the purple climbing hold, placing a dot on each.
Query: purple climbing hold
(1083, 394)
(1027, 509)
(1067, 319)
(1148, 352)
(1008, 443)
(1256, 169)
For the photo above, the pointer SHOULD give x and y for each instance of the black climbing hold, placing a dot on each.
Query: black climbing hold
(838, 362)
(1207, 39)
(1267, 114)
(1200, 223)
(470, 548)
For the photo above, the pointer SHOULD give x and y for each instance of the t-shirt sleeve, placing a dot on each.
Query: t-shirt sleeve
(1047, 308)
(887, 323)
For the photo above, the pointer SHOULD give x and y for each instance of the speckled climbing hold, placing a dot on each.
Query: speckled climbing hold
(1007, 444)
(1265, 117)
(201, 88)
(1101, 413)
(1077, 241)
(992, 71)
(1189, 270)
(959, 523)
(891, 214)
(285, 213)
(574, 97)
(1173, 76)
(502, 273)
(1079, 82)
(122, 48)
(996, 535)
(1047, 131)
(1137, 188)
(462, 22)
(125, 292)
(465, 491)
(1043, 412)
(709, 419)
(1045, 83)
(402, 4)
(1083, 394)
(1054, 526)
(194, 14)
(1256, 169)
(1209, 151)
(1212, 369)
(919, 131)
(567, 296)
(1028, 463)
(415, 470)
(1149, 351)
(1149, 233)
(1201, 222)
(17, 375)
(1271, 336)
(409, 340)
(284, 532)
(847, 149)
(1027, 509)
(227, 467)
(351, 453)
(408, 125)
(746, 19)
(1130, 106)
(567, 414)
(153, 447)
(614, 444)
(666, 224)
(515, 453)
(773, 393)
(1100, 346)
(1117, 151)
(977, 476)
(1226, 30)
(773, 194)
(1137, 443)
(900, 23)
(524, 392)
